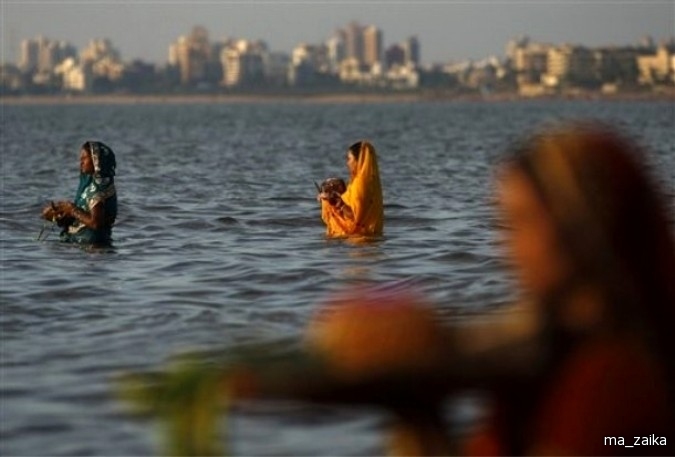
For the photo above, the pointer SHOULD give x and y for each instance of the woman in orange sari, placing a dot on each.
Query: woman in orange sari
(360, 210)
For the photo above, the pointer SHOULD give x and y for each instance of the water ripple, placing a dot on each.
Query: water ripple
(219, 241)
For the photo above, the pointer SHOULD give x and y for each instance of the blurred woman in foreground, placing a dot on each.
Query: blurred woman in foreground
(359, 211)
(590, 241)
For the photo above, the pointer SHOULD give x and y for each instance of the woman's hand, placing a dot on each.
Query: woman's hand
(56, 211)
(60, 212)
(335, 201)
(49, 212)
(65, 208)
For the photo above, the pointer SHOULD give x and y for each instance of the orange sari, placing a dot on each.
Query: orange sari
(364, 198)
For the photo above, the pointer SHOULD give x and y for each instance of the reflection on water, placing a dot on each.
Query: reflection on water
(219, 241)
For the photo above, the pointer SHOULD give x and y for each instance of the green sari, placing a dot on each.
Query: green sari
(96, 189)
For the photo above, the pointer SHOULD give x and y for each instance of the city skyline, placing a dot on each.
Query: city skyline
(447, 31)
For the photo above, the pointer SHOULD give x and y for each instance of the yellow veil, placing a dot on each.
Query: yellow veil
(363, 196)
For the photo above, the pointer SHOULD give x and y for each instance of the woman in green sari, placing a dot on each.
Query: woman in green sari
(89, 219)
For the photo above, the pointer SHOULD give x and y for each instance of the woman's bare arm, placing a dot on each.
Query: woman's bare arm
(94, 219)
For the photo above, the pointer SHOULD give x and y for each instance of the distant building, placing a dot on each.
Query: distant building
(99, 49)
(301, 74)
(394, 55)
(140, 77)
(482, 75)
(352, 71)
(402, 77)
(43, 55)
(10, 78)
(193, 56)
(574, 65)
(617, 65)
(411, 50)
(75, 77)
(335, 49)
(657, 68)
(108, 67)
(353, 55)
(276, 66)
(243, 64)
(104, 62)
(28, 59)
(305, 61)
(354, 48)
(531, 62)
(372, 45)
(406, 53)
(312, 54)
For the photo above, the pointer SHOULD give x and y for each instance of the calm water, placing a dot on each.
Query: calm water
(219, 241)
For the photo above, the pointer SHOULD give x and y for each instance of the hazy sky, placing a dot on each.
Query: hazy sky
(447, 30)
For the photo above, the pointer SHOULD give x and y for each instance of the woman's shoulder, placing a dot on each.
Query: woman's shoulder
(101, 192)
(612, 387)
(610, 369)
(626, 357)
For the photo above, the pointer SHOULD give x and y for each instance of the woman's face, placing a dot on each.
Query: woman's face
(86, 164)
(351, 163)
(530, 236)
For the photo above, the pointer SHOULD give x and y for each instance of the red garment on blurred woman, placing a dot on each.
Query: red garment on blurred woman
(592, 245)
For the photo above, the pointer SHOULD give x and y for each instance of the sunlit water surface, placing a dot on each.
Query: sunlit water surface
(219, 242)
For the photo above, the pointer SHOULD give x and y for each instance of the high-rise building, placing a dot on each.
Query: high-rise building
(335, 48)
(30, 50)
(353, 34)
(411, 49)
(617, 64)
(243, 63)
(372, 45)
(192, 55)
(276, 65)
(43, 55)
(574, 64)
(530, 62)
(394, 56)
(514, 45)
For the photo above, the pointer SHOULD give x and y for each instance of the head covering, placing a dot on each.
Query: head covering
(364, 198)
(102, 180)
(103, 158)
